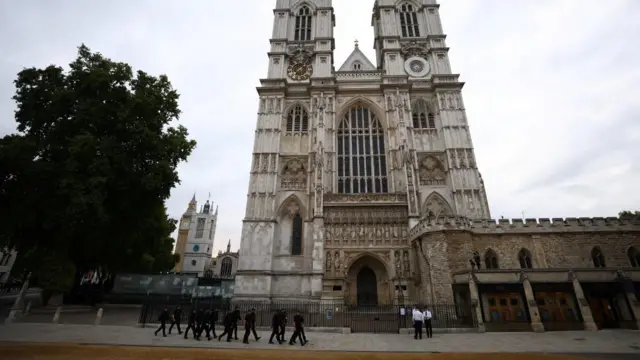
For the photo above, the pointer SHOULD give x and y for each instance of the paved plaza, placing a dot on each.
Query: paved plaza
(613, 342)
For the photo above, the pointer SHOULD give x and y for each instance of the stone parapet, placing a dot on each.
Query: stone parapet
(530, 225)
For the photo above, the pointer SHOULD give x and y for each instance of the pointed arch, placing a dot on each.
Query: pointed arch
(296, 120)
(408, 14)
(226, 267)
(634, 256)
(303, 13)
(435, 206)
(525, 259)
(422, 116)
(597, 257)
(296, 7)
(361, 152)
(491, 259)
(291, 206)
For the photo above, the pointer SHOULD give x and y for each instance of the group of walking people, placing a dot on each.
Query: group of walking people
(422, 318)
(203, 321)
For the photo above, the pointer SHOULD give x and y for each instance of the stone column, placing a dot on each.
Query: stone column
(585, 310)
(475, 302)
(536, 323)
(633, 300)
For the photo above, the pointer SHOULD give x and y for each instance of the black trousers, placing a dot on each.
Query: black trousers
(192, 327)
(428, 328)
(275, 331)
(211, 329)
(248, 329)
(177, 325)
(235, 330)
(297, 333)
(228, 330)
(417, 325)
(163, 326)
(282, 328)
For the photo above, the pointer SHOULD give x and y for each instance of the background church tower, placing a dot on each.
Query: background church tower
(277, 236)
(196, 234)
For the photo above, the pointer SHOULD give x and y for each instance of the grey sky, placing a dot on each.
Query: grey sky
(552, 93)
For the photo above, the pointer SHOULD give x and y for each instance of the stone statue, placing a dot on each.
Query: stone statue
(337, 262)
(407, 265)
(328, 266)
(397, 261)
(319, 155)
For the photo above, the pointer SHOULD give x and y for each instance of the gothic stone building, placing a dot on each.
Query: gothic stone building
(364, 188)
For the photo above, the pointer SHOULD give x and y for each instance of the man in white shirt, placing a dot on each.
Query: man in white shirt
(418, 318)
(427, 322)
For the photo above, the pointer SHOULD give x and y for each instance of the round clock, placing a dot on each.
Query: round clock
(416, 66)
(185, 224)
(300, 71)
(196, 248)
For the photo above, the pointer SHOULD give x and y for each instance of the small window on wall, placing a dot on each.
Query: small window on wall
(598, 258)
(491, 260)
(634, 257)
(193, 263)
(357, 66)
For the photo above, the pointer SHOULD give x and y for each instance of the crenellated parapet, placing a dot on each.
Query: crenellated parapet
(520, 226)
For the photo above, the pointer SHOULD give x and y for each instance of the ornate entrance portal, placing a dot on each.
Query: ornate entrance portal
(367, 287)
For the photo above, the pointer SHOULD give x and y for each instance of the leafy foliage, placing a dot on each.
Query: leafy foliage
(93, 161)
(626, 214)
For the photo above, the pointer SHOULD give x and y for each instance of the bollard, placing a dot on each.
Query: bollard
(28, 309)
(56, 316)
(98, 317)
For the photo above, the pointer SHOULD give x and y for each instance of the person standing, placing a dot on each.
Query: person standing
(418, 318)
(275, 327)
(237, 317)
(191, 324)
(298, 323)
(163, 318)
(175, 319)
(427, 323)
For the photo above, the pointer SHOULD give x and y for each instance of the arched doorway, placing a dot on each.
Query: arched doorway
(367, 287)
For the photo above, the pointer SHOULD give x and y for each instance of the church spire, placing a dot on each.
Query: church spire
(229, 246)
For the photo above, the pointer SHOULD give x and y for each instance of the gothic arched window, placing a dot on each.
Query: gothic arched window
(303, 24)
(226, 267)
(362, 165)
(208, 274)
(598, 258)
(296, 235)
(422, 117)
(297, 121)
(409, 21)
(524, 256)
(634, 257)
(491, 260)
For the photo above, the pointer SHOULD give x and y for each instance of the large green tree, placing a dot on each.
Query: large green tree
(626, 214)
(86, 175)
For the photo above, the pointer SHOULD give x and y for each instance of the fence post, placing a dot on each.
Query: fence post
(56, 316)
(98, 317)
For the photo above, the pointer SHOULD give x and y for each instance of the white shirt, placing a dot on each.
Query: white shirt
(427, 315)
(417, 315)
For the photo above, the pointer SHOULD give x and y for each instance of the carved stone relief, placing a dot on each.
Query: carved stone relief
(435, 206)
(406, 263)
(432, 170)
(327, 268)
(366, 226)
(413, 48)
(294, 175)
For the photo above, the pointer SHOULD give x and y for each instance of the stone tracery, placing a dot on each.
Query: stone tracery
(432, 171)
(436, 206)
(294, 175)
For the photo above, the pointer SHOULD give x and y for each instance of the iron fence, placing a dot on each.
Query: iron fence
(370, 319)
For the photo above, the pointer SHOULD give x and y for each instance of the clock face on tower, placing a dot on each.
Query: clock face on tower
(416, 66)
(300, 71)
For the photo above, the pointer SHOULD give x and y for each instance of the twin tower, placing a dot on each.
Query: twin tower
(347, 159)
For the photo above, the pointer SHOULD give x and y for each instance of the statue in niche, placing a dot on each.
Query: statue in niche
(431, 171)
(407, 265)
(398, 263)
(294, 175)
(328, 266)
(337, 262)
(319, 155)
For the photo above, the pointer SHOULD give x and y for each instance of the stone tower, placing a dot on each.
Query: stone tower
(345, 162)
(196, 234)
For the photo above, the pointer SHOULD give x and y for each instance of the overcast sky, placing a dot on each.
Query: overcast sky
(552, 88)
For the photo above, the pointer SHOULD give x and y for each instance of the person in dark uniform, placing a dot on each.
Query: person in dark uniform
(250, 326)
(283, 323)
(191, 324)
(298, 323)
(228, 326)
(163, 318)
(275, 327)
(236, 318)
(175, 319)
(200, 321)
(204, 326)
(211, 323)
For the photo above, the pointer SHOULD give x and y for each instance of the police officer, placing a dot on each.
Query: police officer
(250, 326)
(191, 324)
(163, 318)
(211, 323)
(228, 326)
(298, 323)
(175, 319)
(236, 318)
(275, 327)
(200, 322)
(204, 327)
(283, 323)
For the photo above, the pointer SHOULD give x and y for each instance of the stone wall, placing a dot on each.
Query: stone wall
(444, 246)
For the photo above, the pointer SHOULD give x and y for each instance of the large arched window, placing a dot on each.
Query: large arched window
(634, 257)
(297, 121)
(598, 257)
(524, 257)
(491, 260)
(296, 235)
(409, 21)
(422, 117)
(226, 267)
(303, 24)
(362, 165)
